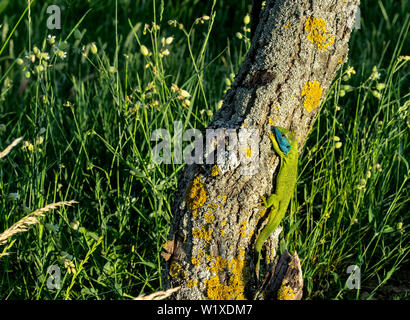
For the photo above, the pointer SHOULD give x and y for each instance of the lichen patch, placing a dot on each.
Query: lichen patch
(318, 34)
(312, 93)
(195, 195)
(233, 288)
(215, 171)
(285, 292)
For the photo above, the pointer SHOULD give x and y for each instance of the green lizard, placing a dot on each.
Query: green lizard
(285, 145)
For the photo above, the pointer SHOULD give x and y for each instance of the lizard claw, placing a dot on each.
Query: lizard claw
(263, 201)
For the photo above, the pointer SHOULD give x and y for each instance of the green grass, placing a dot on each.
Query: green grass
(87, 120)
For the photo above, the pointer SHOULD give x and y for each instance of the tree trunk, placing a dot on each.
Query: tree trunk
(296, 51)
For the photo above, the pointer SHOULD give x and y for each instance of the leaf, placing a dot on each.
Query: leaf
(387, 229)
(149, 264)
(3, 5)
(108, 268)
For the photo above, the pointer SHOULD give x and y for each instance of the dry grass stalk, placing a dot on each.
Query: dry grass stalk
(160, 295)
(6, 151)
(31, 219)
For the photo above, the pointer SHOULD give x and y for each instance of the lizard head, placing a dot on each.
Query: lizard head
(285, 139)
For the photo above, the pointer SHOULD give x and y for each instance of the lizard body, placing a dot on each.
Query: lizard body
(285, 145)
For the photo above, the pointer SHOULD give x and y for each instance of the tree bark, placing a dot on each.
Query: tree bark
(297, 49)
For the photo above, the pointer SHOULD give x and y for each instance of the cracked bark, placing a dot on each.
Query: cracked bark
(297, 49)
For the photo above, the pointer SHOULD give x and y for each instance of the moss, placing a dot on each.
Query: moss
(313, 94)
(317, 33)
(195, 195)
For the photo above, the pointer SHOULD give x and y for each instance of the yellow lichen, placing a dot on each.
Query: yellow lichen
(213, 205)
(317, 33)
(270, 257)
(197, 233)
(195, 195)
(233, 288)
(243, 229)
(201, 233)
(222, 232)
(208, 235)
(285, 292)
(215, 170)
(247, 151)
(286, 26)
(192, 283)
(223, 198)
(262, 212)
(217, 264)
(270, 121)
(196, 260)
(174, 269)
(312, 93)
(251, 234)
(209, 217)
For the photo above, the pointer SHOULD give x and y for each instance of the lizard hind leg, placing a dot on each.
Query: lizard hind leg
(268, 202)
(272, 199)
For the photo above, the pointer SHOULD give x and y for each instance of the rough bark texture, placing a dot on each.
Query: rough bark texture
(296, 51)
